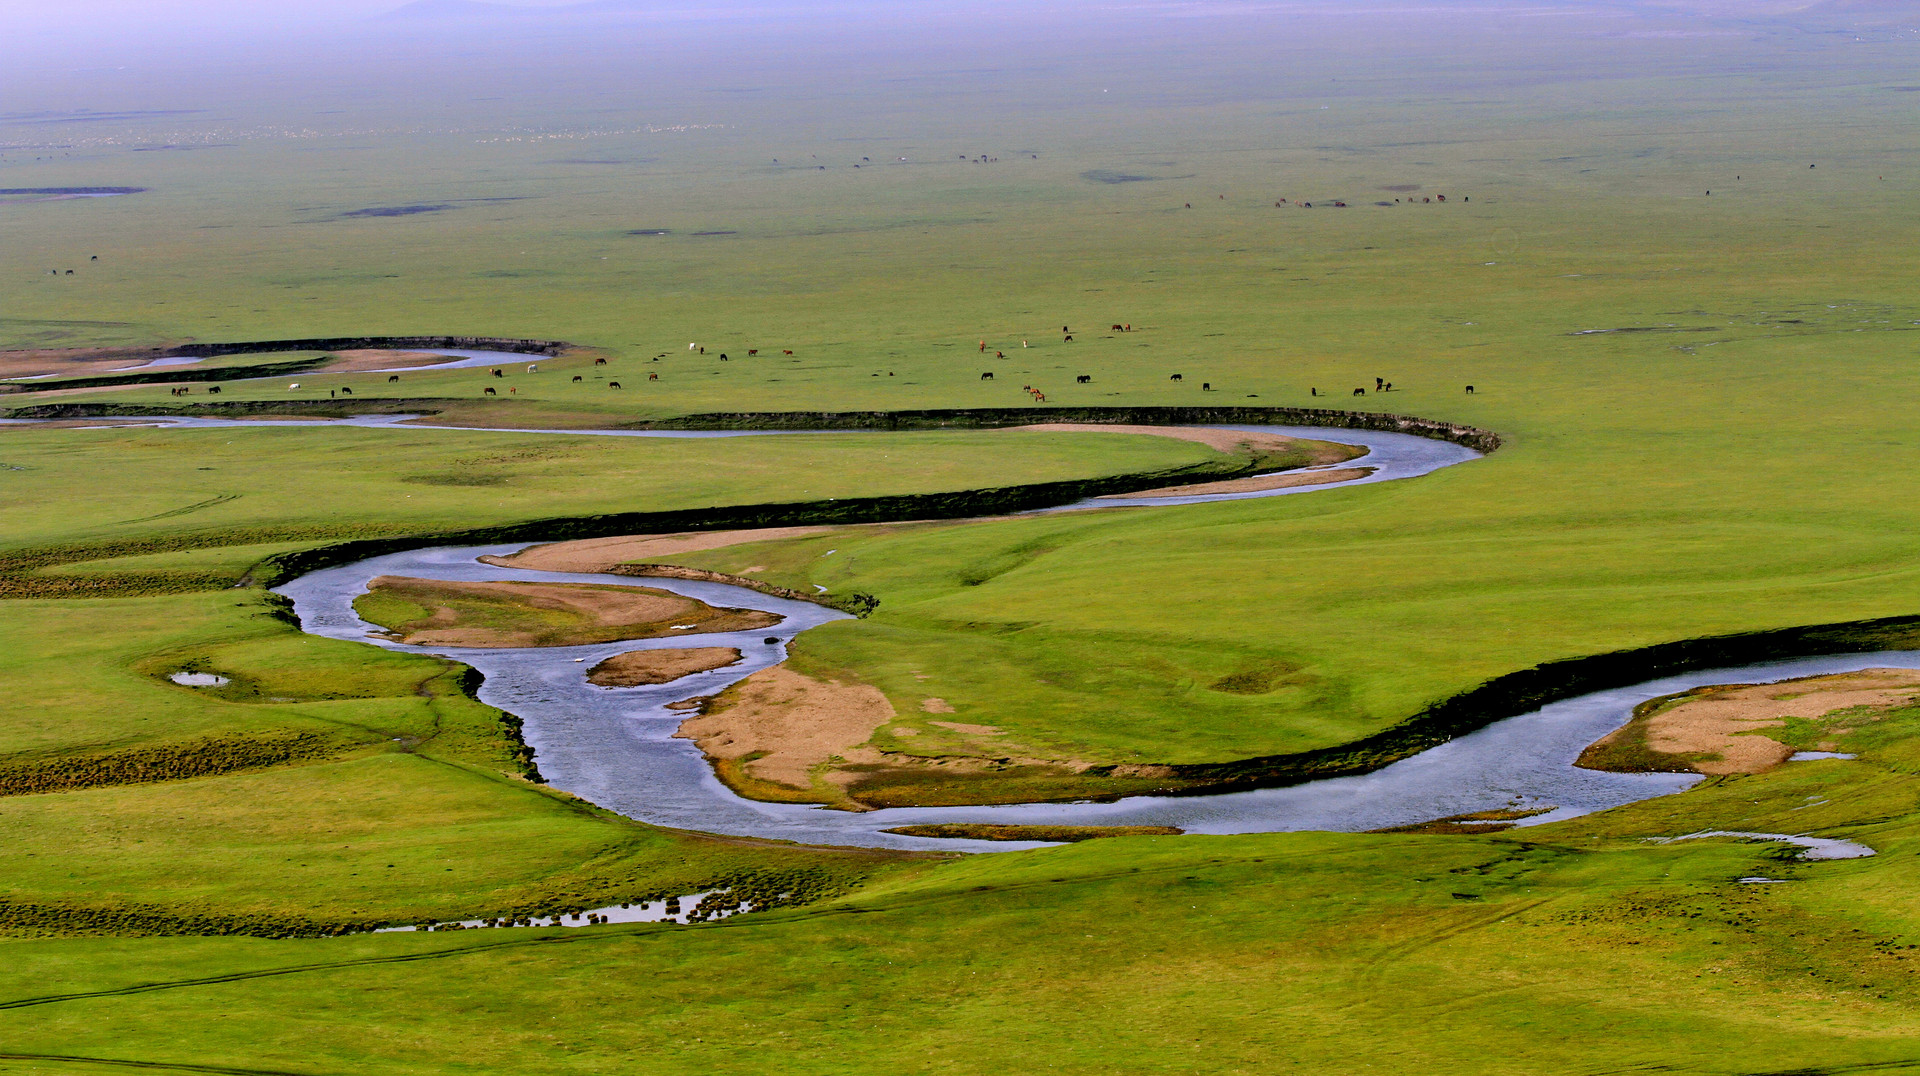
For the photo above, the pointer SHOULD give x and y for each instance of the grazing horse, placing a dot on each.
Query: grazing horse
(576, 377)
(391, 378)
(653, 377)
(599, 362)
(1117, 328)
(213, 390)
(784, 352)
(489, 391)
(1359, 392)
(613, 384)
(1469, 390)
(1083, 379)
(346, 391)
(497, 372)
(533, 367)
(1174, 377)
(1039, 397)
(987, 376)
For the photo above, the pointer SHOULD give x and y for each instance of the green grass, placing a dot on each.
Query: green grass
(1749, 463)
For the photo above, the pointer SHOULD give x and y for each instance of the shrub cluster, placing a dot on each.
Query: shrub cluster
(41, 920)
(163, 762)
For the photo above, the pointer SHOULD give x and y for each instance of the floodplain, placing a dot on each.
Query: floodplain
(1701, 407)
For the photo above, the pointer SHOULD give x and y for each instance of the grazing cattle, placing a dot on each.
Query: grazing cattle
(1388, 388)
(497, 372)
(213, 390)
(723, 357)
(999, 354)
(613, 384)
(1189, 205)
(1127, 328)
(784, 352)
(1064, 329)
(1083, 379)
(391, 378)
(703, 351)
(489, 391)
(1313, 392)
(1206, 386)
(987, 376)
(346, 392)
(95, 258)
(1377, 383)
(533, 367)
(295, 385)
(653, 377)
(1359, 392)
(1469, 390)
(577, 377)
(752, 351)
(983, 345)
(1440, 197)
(599, 362)
(1069, 340)
(690, 347)
(1039, 397)
(1117, 328)
(515, 391)
(1174, 377)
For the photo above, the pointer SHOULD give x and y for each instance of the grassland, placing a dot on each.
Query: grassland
(1706, 400)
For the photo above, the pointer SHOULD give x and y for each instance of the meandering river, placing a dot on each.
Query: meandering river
(615, 746)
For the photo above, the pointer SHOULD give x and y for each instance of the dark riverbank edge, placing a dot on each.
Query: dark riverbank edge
(276, 369)
(995, 417)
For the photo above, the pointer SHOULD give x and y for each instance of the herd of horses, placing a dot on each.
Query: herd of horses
(1379, 384)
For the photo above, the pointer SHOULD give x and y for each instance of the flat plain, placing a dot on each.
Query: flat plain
(1707, 414)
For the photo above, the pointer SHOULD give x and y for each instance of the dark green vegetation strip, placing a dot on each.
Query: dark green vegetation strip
(164, 762)
(993, 417)
(22, 572)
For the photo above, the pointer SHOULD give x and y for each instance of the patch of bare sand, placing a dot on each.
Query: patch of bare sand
(589, 613)
(784, 724)
(75, 361)
(587, 555)
(1286, 480)
(637, 667)
(1726, 721)
(936, 706)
